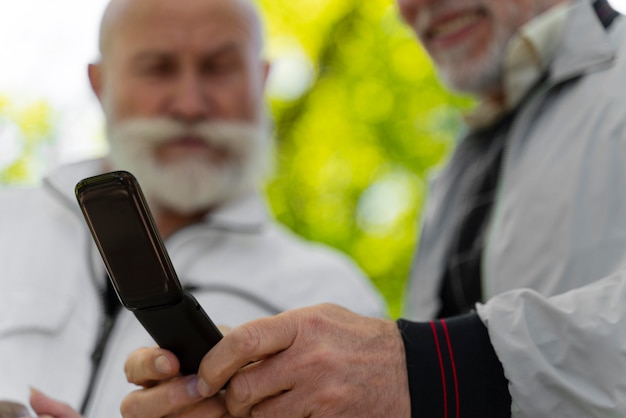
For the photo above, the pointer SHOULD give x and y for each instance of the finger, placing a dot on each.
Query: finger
(224, 329)
(44, 406)
(255, 383)
(245, 344)
(212, 407)
(273, 377)
(146, 366)
(287, 405)
(165, 399)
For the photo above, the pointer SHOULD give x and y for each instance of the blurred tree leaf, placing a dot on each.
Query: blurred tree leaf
(26, 132)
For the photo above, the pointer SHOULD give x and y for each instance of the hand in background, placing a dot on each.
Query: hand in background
(46, 407)
(9, 409)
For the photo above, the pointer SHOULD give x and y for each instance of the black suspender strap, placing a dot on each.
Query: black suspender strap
(112, 307)
(605, 12)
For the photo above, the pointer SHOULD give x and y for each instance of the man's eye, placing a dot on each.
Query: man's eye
(158, 69)
(220, 67)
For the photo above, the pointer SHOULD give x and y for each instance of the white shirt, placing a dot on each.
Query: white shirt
(244, 265)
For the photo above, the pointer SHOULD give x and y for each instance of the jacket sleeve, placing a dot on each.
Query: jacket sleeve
(453, 370)
(566, 355)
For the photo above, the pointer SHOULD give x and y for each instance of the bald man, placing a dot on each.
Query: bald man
(181, 83)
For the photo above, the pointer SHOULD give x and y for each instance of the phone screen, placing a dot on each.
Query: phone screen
(131, 248)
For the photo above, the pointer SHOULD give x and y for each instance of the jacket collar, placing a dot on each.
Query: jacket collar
(245, 214)
(586, 45)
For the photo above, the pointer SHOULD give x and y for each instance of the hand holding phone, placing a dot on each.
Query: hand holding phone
(140, 269)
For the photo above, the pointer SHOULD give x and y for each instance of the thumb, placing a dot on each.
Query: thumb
(45, 406)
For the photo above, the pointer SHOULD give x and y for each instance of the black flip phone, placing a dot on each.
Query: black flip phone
(140, 268)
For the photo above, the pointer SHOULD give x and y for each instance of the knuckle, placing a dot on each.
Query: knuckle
(132, 363)
(130, 376)
(323, 360)
(320, 320)
(129, 407)
(128, 370)
(331, 397)
(246, 341)
(241, 389)
(259, 411)
(176, 394)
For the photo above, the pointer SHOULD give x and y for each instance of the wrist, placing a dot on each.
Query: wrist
(452, 368)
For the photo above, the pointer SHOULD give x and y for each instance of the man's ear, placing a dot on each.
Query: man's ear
(266, 66)
(95, 79)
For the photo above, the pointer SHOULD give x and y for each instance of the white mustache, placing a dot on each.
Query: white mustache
(232, 137)
(194, 182)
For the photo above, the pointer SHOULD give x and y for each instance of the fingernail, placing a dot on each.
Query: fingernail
(36, 392)
(192, 387)
(203, 388)
(163, 365)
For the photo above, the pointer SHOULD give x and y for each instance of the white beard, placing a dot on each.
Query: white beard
(193, 183)
(474, 75)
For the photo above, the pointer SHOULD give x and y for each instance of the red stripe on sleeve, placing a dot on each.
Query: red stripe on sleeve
(456, 382)
(443, 375)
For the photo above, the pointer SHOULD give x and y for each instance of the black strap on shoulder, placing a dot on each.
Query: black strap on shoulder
(112, 307)
(605, 12)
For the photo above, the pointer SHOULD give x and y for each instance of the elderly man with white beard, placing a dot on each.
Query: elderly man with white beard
(181, 84)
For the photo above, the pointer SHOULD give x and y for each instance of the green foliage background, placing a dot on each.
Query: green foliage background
(353, 147)
(28, 127)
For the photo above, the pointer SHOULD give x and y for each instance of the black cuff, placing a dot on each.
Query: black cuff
(453, 370)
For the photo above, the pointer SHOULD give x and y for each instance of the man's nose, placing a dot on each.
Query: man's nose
(190, 102)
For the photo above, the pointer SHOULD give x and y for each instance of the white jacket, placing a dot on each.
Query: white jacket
(244, 267)
(559, 223)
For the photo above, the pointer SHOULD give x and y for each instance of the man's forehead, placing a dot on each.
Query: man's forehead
(147, 54)
(197, 23)
(171, 35)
